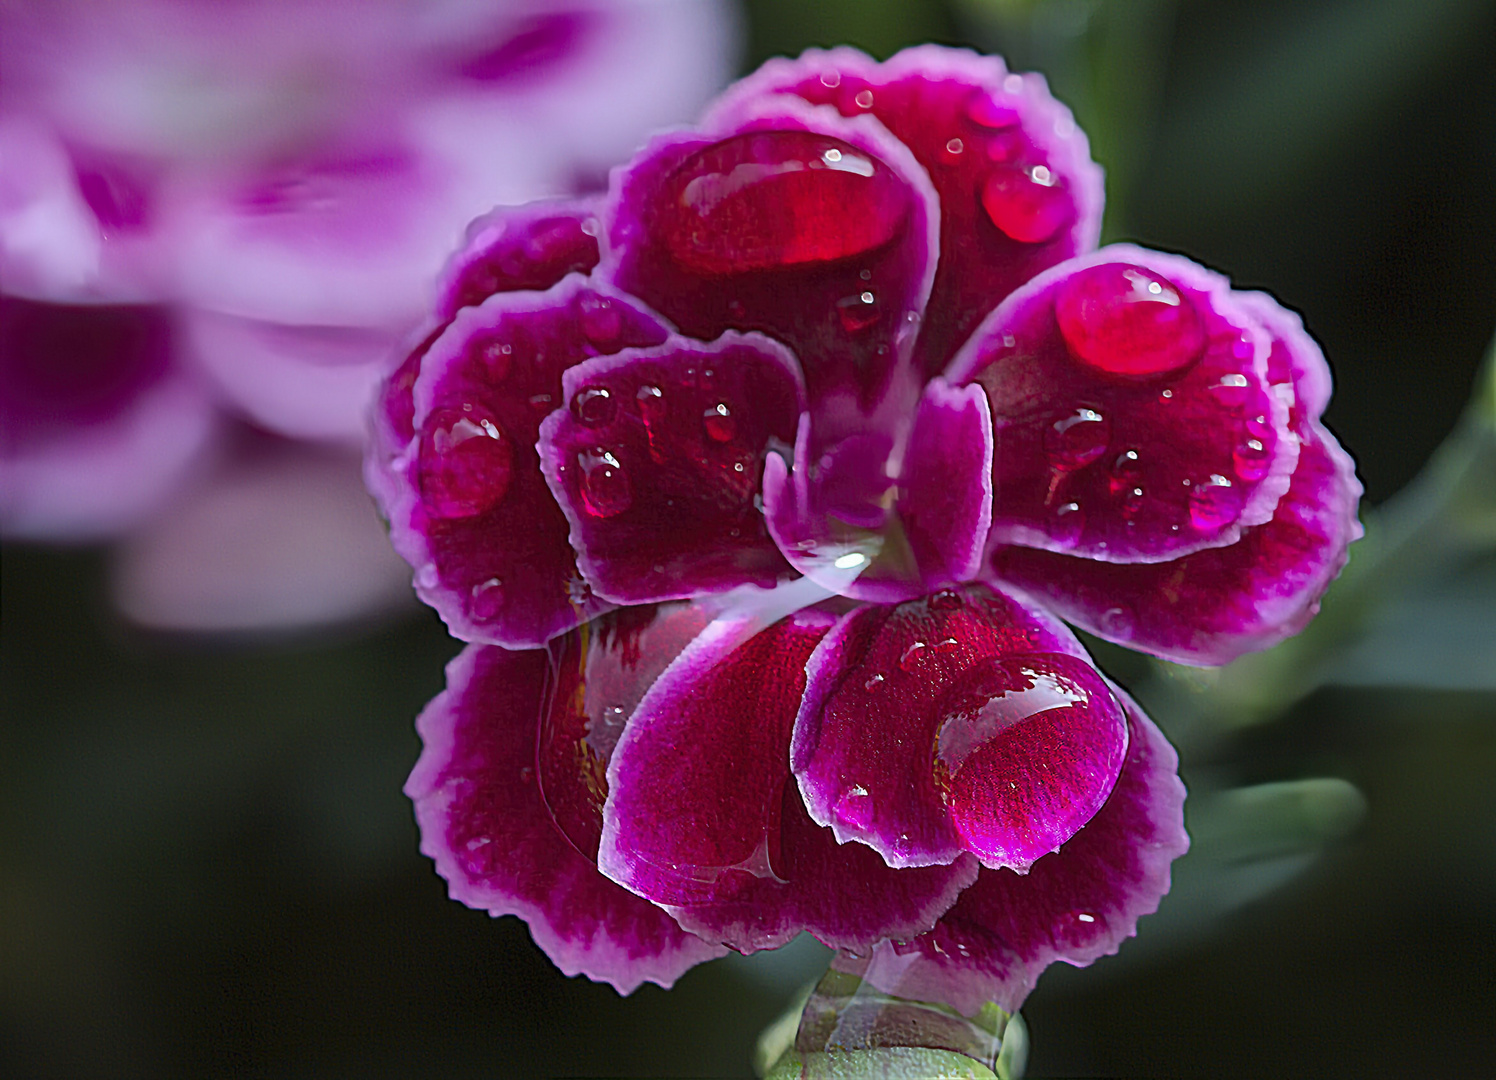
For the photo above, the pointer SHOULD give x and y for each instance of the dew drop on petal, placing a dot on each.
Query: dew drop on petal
(651, 400)
(1026, 753)
(1125, 320)
(1214, 502)
(911, 656)
(857, 312)
(1251, 458)
(594, 406)
(1028, 205)
(1077, 439)
(986, 111)
(606, 491)
(855, 807)
(770, 200)
(1230, 390)
(464, 464)
(601, 320)
(954, 146)
(947, 600)
(487, 600)
(719, 423)
(1067, 523)
(864, 99)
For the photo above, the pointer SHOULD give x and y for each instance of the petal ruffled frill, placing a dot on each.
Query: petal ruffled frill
(1134, 415)
(472, 512)
(1017, 187)
(704, 817)
(656, 458)
(1214, 605)
(966, 721)
(1077, 904)
(485, 824)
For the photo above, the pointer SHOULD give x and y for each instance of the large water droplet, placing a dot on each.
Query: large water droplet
(606, 490)
(1214, 502)
(464, 463)
(1125, 320)
(1251, 457)
(1028, 205)
(1077, 439)
(594, 406)
(487, 601)
(1230, 390)
(858, 312)
(855, 807)
(1027, 751)
(719, 423)
(776, 199)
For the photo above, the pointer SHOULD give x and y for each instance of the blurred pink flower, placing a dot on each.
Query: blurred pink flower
(235, 209)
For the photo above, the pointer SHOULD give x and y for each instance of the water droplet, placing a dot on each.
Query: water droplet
(773, 199)
(1251, 458)
(1214, 502)
(1078, 439)
(527, 774)
(955, 146)
(1019, 733)
(1029, 206)
(1068, 522)
(1125, 320)
(1230, 390)
(986, 111)
(864, 99)
(872, 682)
(540, 402)
(487, 600)
(857, 312)
(465, 463)
(601, 320)
(606, 491)
(594, 406)
(1085, 917)
(1117, 622)
(496, 356)
(911, 656)
(947, 600)
(855, 807)
(651, 400)
(1167, 395)
(831, 79)
(719, 423)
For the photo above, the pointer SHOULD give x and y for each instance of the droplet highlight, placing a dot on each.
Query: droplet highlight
(1078, 438)
(606, 491)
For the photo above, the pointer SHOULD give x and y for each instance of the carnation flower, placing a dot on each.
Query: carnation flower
(760, 488)
(212, 210)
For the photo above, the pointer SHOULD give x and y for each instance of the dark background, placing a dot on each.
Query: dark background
(207, 869)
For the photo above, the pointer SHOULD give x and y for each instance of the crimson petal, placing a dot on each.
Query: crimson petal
(781, 217)
(1135, 420)
(1018, 189)
(966, 721)
(484, 822)
(1214, 605)
(1076, 905)
(471, 510)
(704, 818)
(656, 461)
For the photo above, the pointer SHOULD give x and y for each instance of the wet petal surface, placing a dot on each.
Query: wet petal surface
(1018, 190)
(484, 822)
(1076, 905)
(1134, 418)
(965, 721)
(705, 818)
(473, 513)
(656, 461)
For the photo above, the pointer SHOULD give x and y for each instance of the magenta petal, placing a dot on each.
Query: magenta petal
(1076, 905)
(966, 721)
(522, 247)
(1135, 420)
(485, 824)
(656, 461)
(704, 817)
(471, 511)
(817, 230)
(937, 532)
(1018, 189)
